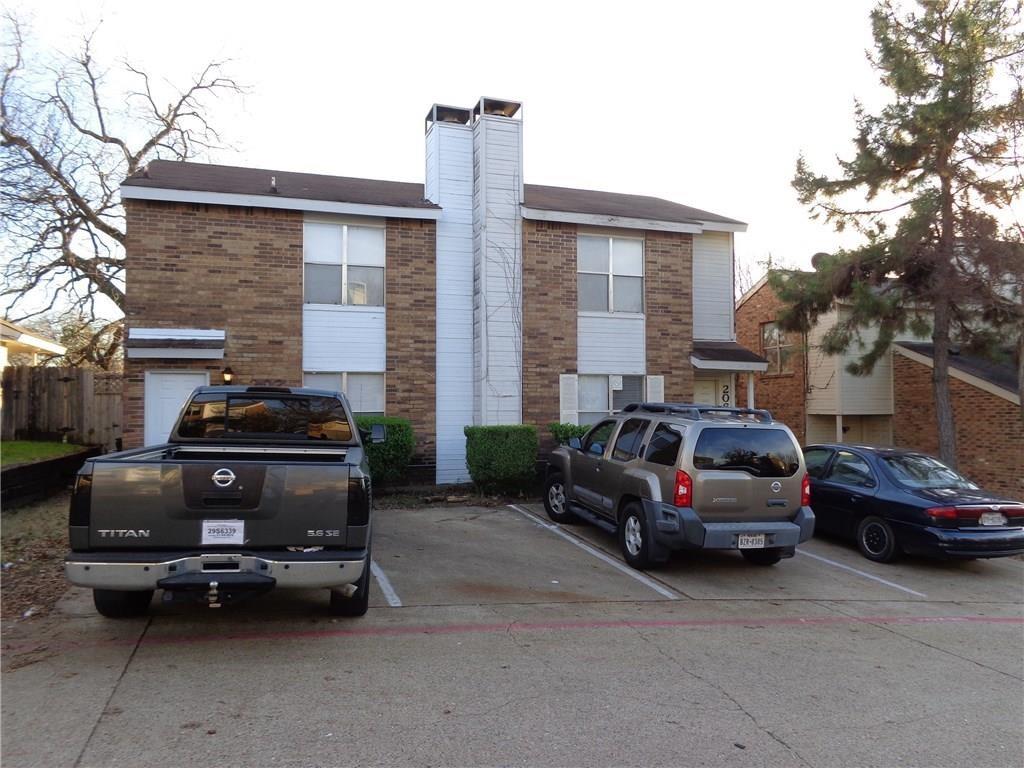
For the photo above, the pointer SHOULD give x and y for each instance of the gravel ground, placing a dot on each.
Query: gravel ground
(33, 543)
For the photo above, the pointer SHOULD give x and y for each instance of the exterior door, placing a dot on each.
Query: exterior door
(704, 391)
(165, 394)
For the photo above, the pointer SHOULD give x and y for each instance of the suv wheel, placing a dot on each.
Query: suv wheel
(876, 540)
(769, 556)
(556, 501)
(638, 549)
(121, 604)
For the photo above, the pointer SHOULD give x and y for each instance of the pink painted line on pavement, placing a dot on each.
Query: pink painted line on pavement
(494, 628)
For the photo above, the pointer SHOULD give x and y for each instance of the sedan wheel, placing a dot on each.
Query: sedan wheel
(876, 540)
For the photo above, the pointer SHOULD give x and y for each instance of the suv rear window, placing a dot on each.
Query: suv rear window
(257, 417)
(761, 452)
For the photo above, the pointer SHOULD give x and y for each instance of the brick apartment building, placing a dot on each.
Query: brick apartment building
(470, 299)
(813, 393)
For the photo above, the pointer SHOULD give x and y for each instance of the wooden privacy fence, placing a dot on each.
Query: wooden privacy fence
(50, 403)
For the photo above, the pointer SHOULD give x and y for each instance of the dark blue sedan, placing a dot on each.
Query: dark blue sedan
(891, 500)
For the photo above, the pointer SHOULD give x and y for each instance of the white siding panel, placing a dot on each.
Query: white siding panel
(610, 344)
(343, 339)
(450, 184)
(822, 370)
(713, 302)
(871, 394)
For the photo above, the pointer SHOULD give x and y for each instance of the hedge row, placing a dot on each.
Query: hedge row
(389, 460)
(565, 432)
(501, 457)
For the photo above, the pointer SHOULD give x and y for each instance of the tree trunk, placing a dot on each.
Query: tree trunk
(940, 382)
(1020, 371)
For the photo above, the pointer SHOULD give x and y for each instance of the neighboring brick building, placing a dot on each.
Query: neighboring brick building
(470, 299)
(986, 410)
(814, 394)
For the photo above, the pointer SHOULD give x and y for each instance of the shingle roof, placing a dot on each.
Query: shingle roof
(725, 351)
(229, 179)
(1001, 374)
(615, 204)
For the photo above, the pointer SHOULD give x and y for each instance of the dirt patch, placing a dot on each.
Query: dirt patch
(33, 543)
(430, 496)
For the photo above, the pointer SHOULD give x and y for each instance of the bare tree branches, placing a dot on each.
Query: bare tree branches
(66, 143)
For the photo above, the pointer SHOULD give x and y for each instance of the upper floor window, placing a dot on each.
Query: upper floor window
(777, 348)
(344, 264)
(611, 274)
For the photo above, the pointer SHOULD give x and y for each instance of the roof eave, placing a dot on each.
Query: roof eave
(629, 222)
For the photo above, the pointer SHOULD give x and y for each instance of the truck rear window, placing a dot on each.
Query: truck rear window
(761, 452)
(262, 417)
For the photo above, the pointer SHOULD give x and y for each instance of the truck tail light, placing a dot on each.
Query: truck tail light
(358, 501)
(684, 489)
(81, 500)
(805, 491)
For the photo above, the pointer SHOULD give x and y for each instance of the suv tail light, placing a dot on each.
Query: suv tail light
(684, 490)
(805, 491)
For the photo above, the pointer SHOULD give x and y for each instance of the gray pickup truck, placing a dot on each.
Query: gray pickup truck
(257, 488)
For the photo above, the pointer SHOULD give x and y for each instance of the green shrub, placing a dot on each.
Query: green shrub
(389, 460)
(565, 432)
(502, 457)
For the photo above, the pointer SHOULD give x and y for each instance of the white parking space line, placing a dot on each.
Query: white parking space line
(661, 590)
(862, 573)
(385, 585)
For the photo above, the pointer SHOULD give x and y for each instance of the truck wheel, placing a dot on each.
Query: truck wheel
(556, 501)
(769, 556)
(639, 550)
(876, 540)
(359, 603)
(120, 604)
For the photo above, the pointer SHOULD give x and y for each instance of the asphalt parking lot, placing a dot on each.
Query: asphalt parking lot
(496, 638)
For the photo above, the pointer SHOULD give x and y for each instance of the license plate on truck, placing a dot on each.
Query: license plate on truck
(750, 541)
(223, 532)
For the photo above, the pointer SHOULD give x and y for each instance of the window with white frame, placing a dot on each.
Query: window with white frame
(344, 264)
(365, 391)
(610, 274)
(601, 395)
(777, 348)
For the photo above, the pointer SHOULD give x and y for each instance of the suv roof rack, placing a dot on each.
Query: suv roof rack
(696, 411)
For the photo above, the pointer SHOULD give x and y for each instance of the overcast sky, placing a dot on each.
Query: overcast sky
(704, 103)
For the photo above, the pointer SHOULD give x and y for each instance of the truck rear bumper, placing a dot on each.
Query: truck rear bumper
(114, 570)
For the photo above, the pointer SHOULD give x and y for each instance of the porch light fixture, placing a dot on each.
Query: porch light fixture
(228, 375)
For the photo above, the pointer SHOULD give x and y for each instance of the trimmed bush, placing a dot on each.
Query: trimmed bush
(565, 432)
(389, 460)
(501, 457)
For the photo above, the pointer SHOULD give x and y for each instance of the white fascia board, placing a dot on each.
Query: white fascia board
(601, 220)
(723, 226)
(41, 344)
(726, 365)
(176, 353)
(974, 381)
(192, 334)
(282, 203)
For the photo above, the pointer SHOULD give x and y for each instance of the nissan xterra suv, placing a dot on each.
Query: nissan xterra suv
(671, 476)
(258, 487)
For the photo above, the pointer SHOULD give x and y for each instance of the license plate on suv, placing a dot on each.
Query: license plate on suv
(750, 541)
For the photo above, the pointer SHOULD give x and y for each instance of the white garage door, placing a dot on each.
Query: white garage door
(166, 393)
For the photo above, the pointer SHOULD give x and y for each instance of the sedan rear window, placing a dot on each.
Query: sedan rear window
(761, 452)
(261, 417)
(914, 470)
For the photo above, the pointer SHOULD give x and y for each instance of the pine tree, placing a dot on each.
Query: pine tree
(935, 167)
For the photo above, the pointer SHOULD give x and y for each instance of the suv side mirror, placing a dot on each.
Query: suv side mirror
(574, 443)
(597, 449)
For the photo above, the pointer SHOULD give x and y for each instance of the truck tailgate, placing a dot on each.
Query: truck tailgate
(172, 504)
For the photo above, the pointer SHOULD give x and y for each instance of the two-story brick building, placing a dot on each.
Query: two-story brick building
(470, 299)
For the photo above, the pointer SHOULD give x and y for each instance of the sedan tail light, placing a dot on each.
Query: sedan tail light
(954, 513)
(805, 491)
(684, 489)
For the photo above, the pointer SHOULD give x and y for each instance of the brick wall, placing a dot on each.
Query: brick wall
(668, 285)
(549, 320)
(411, 289)
(989, 429)
(783, 394)
(206, 266)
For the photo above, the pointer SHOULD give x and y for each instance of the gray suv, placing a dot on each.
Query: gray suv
(670, 476)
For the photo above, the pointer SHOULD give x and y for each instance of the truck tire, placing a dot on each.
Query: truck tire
(359, 603)
(556, 499)
(769, 556)
(121, 604)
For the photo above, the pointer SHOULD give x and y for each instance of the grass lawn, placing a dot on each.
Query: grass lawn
(21, 451)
